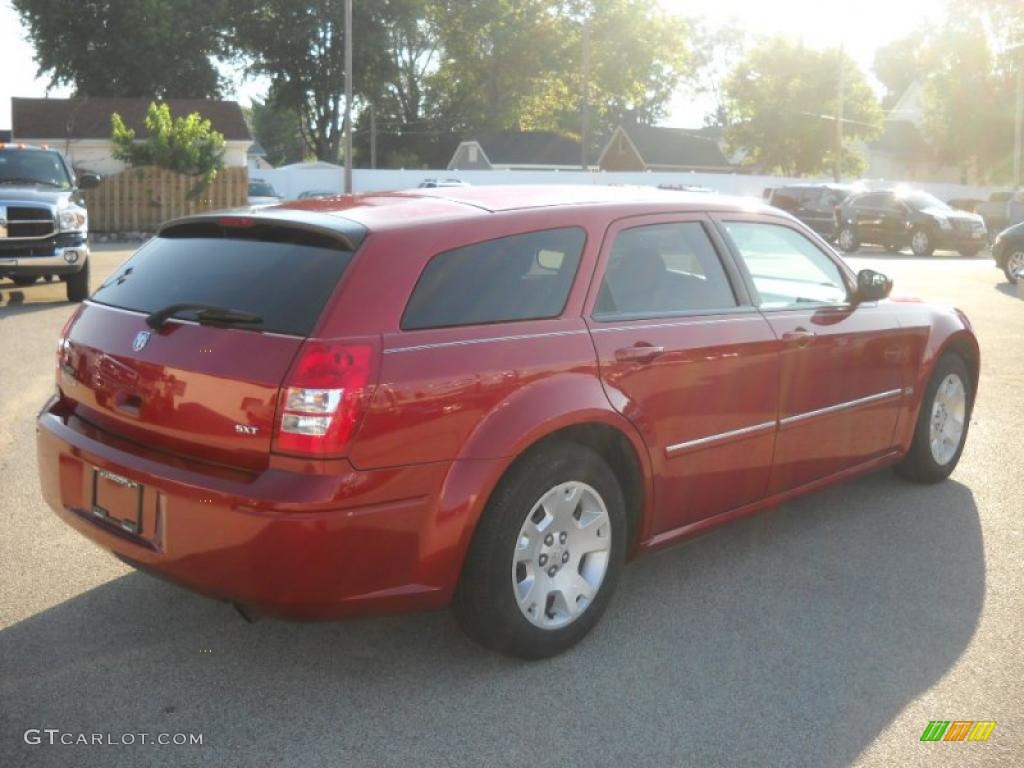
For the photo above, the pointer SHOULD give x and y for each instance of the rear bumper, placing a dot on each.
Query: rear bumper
(290, 543)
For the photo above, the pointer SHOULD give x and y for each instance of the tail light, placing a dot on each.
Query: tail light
(324, 397)
(64, 345)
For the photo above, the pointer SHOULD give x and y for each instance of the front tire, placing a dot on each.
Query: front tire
(78, 284)
(921, 243)
(1014, 265)
(546, 555)
(942, 424)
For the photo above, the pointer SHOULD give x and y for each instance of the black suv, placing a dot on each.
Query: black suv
(896, 219)
(43, 222)
(814, 204)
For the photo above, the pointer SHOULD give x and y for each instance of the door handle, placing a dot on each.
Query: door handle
(639, 353)
(801, 337)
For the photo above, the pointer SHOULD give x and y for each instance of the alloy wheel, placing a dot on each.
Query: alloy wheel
(1015, 264)
(949, 412)
(561, 555)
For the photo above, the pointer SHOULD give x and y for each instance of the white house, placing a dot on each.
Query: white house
(80, 127)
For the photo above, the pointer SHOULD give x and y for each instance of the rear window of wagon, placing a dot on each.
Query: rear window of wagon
(285, 283)
(519, 277)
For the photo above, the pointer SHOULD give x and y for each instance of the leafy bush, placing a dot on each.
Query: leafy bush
(187, 145)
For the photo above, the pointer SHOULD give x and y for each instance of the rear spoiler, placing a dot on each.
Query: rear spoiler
(271, 224)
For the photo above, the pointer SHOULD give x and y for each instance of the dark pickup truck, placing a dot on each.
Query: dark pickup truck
(44, 225)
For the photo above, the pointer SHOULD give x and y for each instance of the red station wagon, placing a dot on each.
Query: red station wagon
(484, 397)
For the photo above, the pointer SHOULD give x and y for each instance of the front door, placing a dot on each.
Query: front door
(840, 373)
(687, 359)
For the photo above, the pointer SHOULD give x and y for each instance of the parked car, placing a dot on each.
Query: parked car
(263, 193)
(1008, 251)
(896, 219)
(317, 193)
(814, 204)
(44, 224)
(490, 397)
(435, 183)
(1001, 211)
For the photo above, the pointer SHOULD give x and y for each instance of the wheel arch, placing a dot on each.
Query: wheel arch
(571, 407)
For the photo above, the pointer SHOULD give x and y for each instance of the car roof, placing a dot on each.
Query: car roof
(385, 210)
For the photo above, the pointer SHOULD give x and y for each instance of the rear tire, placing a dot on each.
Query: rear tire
(24, 280)
(546, 555)
(847, 240)
(78, 284)
(942, 424)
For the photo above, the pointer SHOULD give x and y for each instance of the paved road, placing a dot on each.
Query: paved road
(827, 632)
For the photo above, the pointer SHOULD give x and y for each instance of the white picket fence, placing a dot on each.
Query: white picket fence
(291, 182)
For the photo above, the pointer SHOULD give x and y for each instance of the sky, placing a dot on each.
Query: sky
(861, 26)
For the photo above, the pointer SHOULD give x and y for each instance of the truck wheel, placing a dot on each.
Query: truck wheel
(23, 280)
(942, 424)
(921, 243)
(78, 284)
(546, 554)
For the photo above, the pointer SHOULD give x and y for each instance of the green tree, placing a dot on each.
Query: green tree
(967, 98)
(897, 66)
(279, 131)
(783, 98)
(147, 48)
(187, 144)
(300, 47)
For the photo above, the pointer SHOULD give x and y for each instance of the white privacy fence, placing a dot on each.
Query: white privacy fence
(291, 182)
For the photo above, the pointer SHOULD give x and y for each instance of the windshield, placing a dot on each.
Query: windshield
(919, 201)
(33, 166)
(261, 189)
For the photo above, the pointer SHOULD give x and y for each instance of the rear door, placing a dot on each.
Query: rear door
(204, 391)
(686, 358)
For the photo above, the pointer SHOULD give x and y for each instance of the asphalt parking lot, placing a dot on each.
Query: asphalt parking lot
(827, 632)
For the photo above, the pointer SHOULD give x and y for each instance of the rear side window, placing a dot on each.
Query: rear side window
(522, 277)
(661, 270)
(285, 283)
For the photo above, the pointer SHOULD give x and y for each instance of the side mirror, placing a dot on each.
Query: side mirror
(88, 180)
(872, 286)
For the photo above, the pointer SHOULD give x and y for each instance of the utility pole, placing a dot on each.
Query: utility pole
(1018, 138)
(373, 137)
(837, 169)
(348, 97)
(585, 107)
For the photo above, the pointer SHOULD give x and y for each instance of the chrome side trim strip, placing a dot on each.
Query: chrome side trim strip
(842, 406)
(488, 340)
(672, 450)
(679, 447)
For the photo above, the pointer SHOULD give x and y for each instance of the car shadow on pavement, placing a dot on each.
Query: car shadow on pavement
(1011, 289)
(790, 638)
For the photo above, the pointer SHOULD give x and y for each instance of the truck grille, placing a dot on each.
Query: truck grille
(26, 222)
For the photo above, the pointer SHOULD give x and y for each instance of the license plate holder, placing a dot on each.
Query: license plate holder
(117, 500)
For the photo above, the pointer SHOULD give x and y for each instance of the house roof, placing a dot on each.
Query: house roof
(676, 147)
(529, 148)
(89, 118)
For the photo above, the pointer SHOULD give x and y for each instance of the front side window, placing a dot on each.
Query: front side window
(788, 270)
(661, 270)
(522, 277)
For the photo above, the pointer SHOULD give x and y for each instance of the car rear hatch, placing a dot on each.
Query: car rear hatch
(204, 383)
